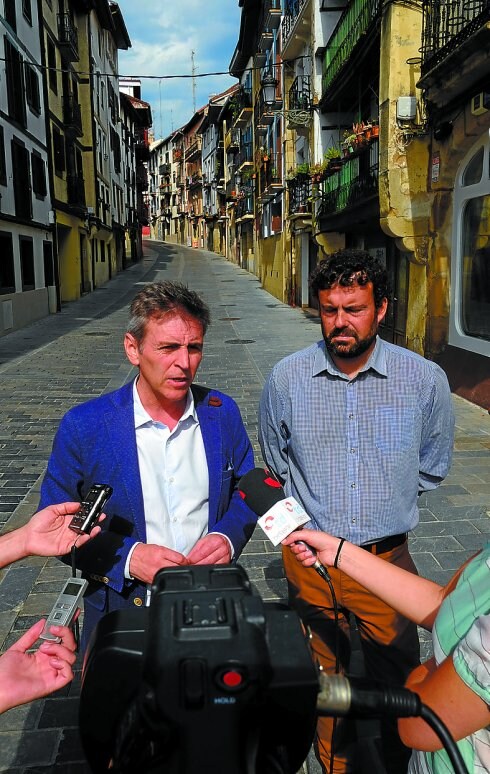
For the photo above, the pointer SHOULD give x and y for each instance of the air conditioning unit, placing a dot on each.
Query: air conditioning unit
(480, 103)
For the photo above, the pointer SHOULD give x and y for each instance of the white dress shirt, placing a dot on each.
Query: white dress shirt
(174, 478)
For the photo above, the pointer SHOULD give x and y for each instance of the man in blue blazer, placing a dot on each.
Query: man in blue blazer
(172, 451)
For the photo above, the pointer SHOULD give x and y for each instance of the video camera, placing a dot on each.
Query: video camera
(209, 678)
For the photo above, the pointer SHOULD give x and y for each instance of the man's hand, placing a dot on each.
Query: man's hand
(47, 533)
(27, 676)
(148, 558)
(211, 549)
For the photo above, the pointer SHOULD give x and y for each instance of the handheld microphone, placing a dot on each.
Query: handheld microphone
(278, 515)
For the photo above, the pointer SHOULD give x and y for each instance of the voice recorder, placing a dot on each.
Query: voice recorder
(65, 607)
(90, 508)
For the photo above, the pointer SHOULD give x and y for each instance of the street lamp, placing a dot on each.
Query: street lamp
(269, 86)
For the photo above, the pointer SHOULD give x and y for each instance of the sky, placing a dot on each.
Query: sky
(163, 35)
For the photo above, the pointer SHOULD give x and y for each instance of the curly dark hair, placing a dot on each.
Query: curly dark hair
(351, 267)
(157, 298)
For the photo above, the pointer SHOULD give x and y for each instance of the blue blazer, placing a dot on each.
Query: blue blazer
(96, 443)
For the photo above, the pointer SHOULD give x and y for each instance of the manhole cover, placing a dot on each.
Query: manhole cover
(97, 333)
(240, 341)
(232, 280)
(229, 319)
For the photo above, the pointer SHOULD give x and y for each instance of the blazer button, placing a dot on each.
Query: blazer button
(105, 579)
(138, 601)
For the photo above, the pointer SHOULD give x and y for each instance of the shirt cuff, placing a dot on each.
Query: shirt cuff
(127, 574)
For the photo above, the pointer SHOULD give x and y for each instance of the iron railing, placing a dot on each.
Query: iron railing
(356, 181)
(300, 93)
(68, 36)
(271, 172)
(446, 25)
(299, 189)
(359, 16)
(292, 10)
(72, 115)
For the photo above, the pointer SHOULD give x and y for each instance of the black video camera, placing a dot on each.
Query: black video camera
(209, 678)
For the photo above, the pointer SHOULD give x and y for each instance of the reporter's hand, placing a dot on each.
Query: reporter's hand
(28, 676)
(47, 533)
(211, 549)
(148, 558)
(325, 546)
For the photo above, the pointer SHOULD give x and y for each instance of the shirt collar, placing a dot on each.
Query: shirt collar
(141, 416)
(377, 361)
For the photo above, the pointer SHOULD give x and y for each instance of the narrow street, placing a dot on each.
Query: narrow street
(77, 354)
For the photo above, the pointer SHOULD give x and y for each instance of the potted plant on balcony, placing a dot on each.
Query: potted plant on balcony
(318, 170)
(333, 158)
(348, 143)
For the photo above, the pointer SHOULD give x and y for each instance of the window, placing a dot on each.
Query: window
(52, 72)
(21, 180)
(15, 83)
(26, 249)
(469, 326)
(58, 152)
(32, 89)
(38, 175)
(10, 17)
(48, 263)
(3, 167)
(7, 274)
(27, 11)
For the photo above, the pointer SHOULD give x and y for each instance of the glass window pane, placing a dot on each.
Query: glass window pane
(475, 267)
(474, 170)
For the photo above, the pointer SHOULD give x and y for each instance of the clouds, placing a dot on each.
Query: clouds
(163, 35)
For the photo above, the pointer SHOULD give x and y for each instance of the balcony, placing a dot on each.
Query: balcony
(353, 29)
(177, 154)
(68, 37)
(232, 140)
(245, 204)
(355, 184)
(164, 169)
(292, 20)
(231, 190)
(141, 151)
(300, 94)
(270, 178)
(75, 189)
(246, 157)
(195, 180)
(193, 150)
(72, 116)
(272, 15)
(264, 112)
(242, 108)
(299, 190)
(454, 35)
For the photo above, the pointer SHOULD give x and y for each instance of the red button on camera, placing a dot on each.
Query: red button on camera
(232, 678)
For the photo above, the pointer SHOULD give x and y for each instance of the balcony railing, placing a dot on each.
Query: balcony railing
(164, 169)
(193, 149)
(272, 14)
(299, 189)
(300, 93)
(232, 140)
(292, 10)
(68, 37)
(355, 183)
(72, 115)
(242, 107)
(246, 155)
(358, 17)
(271, 175)
(446, 25)
(245, 202)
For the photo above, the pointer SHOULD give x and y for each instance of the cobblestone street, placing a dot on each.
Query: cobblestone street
(78, 354)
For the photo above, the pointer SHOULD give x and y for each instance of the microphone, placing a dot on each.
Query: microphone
(359, 696)
(278, 515)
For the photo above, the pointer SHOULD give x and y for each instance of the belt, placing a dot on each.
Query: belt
(381, 546)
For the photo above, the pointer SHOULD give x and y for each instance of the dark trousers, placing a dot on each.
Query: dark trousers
(389, 642)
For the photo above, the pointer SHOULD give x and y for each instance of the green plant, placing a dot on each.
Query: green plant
(332, 154)
(303, 169)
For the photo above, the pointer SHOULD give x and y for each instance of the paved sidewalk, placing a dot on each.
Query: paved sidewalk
(77, 354)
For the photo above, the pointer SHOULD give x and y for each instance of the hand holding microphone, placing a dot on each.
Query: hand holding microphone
(279, 516)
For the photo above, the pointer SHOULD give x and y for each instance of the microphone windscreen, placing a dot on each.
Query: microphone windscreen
(260, 490)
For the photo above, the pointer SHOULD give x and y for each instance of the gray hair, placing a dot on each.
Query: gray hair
(158, 298)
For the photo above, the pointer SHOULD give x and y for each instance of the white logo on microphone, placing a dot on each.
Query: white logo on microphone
(282, 519)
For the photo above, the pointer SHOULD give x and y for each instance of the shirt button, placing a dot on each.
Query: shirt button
(351, 416)
(171, 480)
(353, 521)
(353, 486)
(353, 450)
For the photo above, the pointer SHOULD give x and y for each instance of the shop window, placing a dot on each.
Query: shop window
(470, 267)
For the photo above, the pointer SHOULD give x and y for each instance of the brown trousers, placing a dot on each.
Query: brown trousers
(390, 647)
